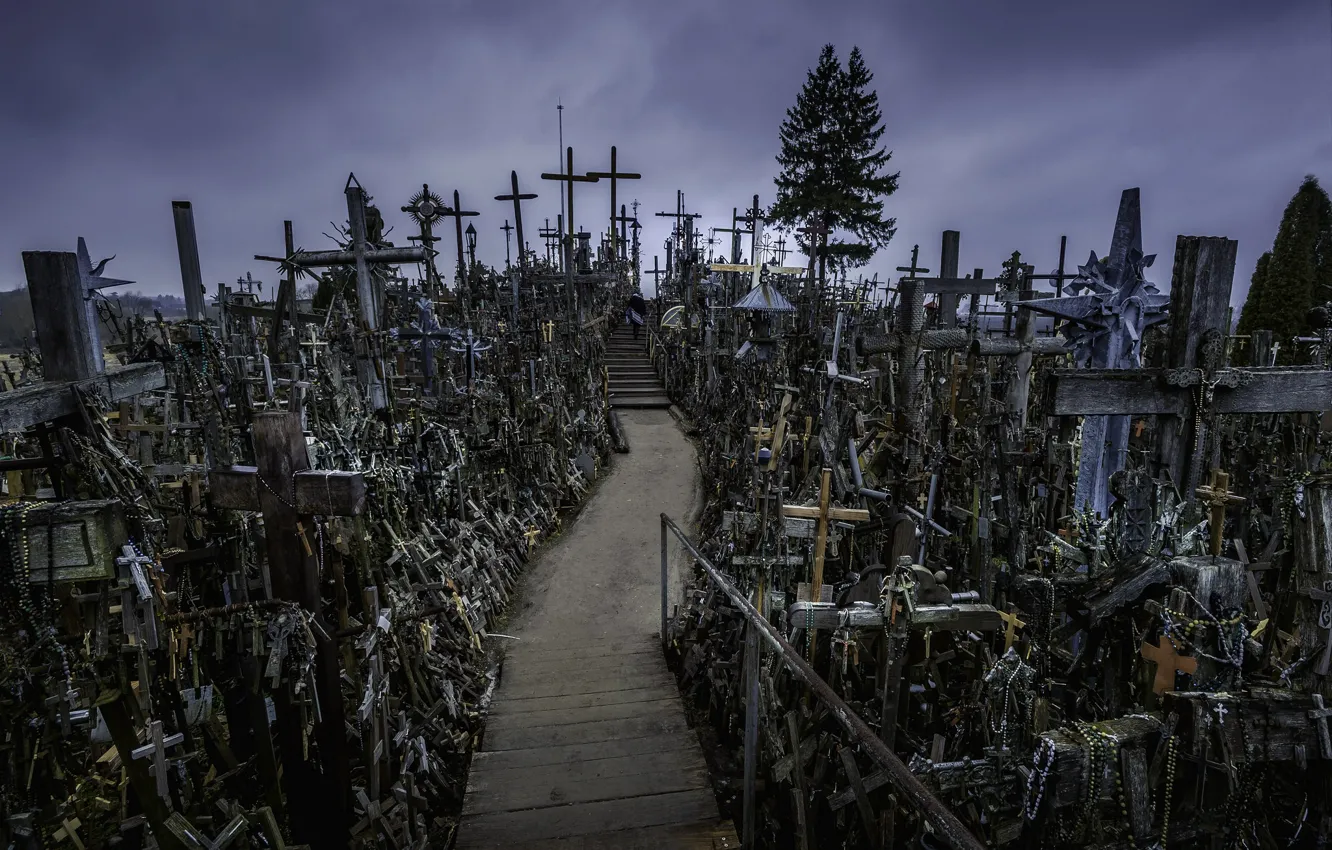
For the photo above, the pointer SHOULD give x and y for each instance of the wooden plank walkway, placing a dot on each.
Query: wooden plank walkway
(587, 747)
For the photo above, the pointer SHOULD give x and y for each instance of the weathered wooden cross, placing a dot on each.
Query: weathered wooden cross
(613, 175)
(1217, 496)
(289, 494)
(155, 751)
(61, 287)
(570, 178)
(362, 255)
(1199, 385)
(517, 198)
(457, 213)
(823, 512)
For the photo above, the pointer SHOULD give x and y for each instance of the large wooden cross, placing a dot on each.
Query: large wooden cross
(517, 198)
(289, 494)
(569, 177)
(823, 512)
(457, 213)
(614, 175)
(362, 255)
(1204, 267)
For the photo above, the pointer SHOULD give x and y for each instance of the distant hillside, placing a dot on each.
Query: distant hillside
(16, 311)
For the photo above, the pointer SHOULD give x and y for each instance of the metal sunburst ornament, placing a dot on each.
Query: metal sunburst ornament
(425, 206)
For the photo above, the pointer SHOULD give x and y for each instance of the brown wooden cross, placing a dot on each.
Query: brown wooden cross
(1216, 494)
(1168, 663)
(1010, 633)
(823, 512)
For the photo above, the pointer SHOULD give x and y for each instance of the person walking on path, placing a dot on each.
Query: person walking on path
(634, 314)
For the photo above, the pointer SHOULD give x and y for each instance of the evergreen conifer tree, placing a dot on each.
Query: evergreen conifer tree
(1297, 273)
(833, 170)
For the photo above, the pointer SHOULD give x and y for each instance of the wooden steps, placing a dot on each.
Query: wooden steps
(587, 747)
(633, 380)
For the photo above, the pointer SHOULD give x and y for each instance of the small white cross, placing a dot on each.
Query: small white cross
(1221, 712)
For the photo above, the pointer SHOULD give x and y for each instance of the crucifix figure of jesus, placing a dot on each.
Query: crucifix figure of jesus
(823, 512)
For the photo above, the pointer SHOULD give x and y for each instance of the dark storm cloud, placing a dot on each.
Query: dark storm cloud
(1012, 122)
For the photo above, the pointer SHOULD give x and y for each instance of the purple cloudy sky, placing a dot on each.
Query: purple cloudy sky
(1013, 122)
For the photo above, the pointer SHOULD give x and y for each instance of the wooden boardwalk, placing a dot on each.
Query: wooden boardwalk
(587, 747)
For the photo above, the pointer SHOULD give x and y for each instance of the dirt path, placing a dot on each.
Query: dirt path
(601, 577)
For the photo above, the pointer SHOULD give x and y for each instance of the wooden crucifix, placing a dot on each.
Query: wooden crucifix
(570, 178)
(457, 213)
(289, 494)
(518, 197)
(362, 255)
(613, 175)
(1217, 496)
(823, 512)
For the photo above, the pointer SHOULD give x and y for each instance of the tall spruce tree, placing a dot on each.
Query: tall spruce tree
(1297, 273)
(833, 170)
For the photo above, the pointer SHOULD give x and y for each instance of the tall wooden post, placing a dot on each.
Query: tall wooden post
(367, 297)
(1199, 301)
(318, 802)
(948, 269)
(67, 334)
(187, 244)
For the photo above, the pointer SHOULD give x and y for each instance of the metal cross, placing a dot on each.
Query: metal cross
(508, 232)
(914, 270)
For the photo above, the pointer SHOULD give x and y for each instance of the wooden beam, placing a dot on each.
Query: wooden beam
(27, 406)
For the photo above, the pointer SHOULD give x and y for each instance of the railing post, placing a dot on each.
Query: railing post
(751, 733)
(664, 577)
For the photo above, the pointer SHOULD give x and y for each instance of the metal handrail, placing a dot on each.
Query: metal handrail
(952, 830)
